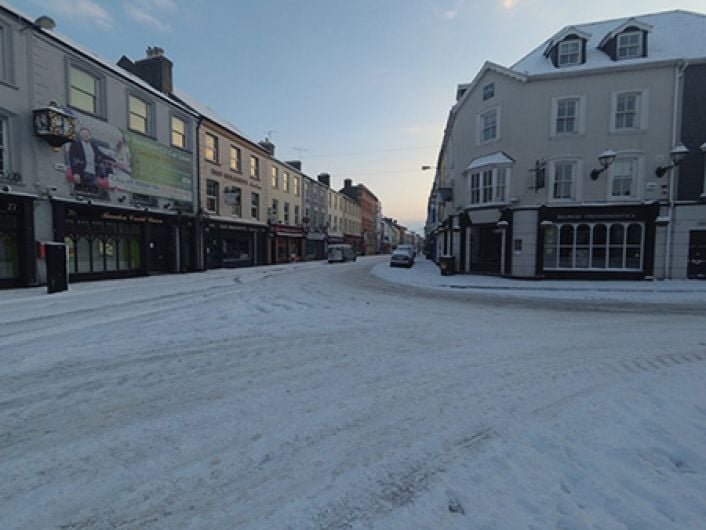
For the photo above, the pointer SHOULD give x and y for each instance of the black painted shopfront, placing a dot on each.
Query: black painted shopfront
(116, 243)
(602, 242)
(17, 248)
(231, 245)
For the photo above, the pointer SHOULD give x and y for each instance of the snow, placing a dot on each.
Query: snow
(321, 396)
(675, 35)
(493, 159)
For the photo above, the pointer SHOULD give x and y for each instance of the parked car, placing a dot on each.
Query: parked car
(402, 257)
(341, 253)
(410, 248)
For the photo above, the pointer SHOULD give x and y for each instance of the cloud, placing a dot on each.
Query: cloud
(146, 17)
(84, 10)
(450, 10)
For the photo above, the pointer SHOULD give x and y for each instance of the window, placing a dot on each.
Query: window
(286, 213)
(563, 180)
(475, 188)
(487, 185)
(488, 91)
(624, 173)
(569, 52)
(235, 160)
(296, 214)
(567, 116)
(212, 196)
(83, 90)
(139, 115)
(3, 53)
(254, 167)
(629, 45)
(500, 184)
(275, 177)
(275, 211)
(178, 132)
(285, 181)
(255, 205)
(627, 108)
(211, 148)
(489, 126)
(234, 197)
(4, 142)
(594, 246)
(295, 185)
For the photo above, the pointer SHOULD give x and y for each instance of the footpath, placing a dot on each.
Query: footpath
(425, 273)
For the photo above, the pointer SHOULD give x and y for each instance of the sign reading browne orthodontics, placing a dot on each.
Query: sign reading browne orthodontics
(104, 157)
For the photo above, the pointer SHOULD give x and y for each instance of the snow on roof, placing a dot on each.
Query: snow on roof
(675, 35)
(493, 159)
(210, 114)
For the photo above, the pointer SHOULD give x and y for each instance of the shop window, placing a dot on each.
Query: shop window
(97, 255)
(598, 250)
(123, 255)
(83, 255)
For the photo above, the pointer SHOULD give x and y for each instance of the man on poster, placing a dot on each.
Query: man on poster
(89, 165)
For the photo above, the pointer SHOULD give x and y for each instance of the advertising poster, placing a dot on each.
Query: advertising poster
(104, 157)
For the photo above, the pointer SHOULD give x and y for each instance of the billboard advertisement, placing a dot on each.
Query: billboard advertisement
(105, 157)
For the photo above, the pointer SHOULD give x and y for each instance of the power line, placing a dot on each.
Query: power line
(356, 153)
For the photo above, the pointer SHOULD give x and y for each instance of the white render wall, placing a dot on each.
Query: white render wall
(524, 227)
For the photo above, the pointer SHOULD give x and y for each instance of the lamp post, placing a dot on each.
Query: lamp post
(606, 159)
(676, 156)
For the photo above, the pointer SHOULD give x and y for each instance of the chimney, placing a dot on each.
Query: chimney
(325, 179)
(156, 69)
(296, 164)
(268, 146)
(348, 183)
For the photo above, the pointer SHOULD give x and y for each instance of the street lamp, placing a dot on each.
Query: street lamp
(606, 158)
(676, 155)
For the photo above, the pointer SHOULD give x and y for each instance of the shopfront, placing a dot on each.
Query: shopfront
(315, 246)
(356, 242)
(602, 242)
(286, 243)
(231, 245)
(17, 254)
(115, 243)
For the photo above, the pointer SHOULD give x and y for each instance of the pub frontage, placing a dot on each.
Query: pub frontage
(106, 242)
(232, 245)
(286, 243)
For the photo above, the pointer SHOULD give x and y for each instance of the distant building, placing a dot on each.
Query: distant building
(369, 211)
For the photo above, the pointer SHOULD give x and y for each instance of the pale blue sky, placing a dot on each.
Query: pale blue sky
(364, 86)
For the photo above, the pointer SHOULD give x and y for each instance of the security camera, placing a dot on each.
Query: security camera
(6, 188)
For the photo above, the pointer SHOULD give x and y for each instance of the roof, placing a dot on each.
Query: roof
(675, 35)
(493, 159)
(207, 112)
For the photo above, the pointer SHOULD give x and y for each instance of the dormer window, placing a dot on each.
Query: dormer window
(629, 45)
(569, 52)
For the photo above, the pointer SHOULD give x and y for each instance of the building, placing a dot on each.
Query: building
(369, 211)
(316, 216)
(352, 223)
(233, 223)
(285, 209)
(109, 170)
(582, 160)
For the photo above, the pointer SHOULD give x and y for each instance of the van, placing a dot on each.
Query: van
(341, 253)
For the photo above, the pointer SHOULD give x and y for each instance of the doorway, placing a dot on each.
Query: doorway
(696, 267)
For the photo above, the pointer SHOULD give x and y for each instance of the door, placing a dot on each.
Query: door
(486, 249)
(161, 248)
(696, 268)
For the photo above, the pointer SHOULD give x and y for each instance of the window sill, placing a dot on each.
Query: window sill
(143, 134)
(88, 113)
(626, 132)
(214, 162)
(567, 136)
(487, 142)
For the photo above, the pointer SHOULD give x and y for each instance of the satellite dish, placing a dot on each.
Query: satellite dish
(45, 22)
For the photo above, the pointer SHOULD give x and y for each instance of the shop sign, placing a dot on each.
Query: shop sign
(574, 215)
(9, 207)
(126, 162)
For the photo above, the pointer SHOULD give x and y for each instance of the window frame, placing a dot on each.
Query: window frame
(483, 127)
(573, 188)
(255, 205)
(638, 45)
(285, 181)
(100, 86)
(212, 196)
(172, 118)
(641, 111)
(254, 167)
(5, 158)
(274, 177)
(149, 114)
(635, 178)
(492, 192)
(7, 65)
(214, 149)
(238, 166)
(560, 53)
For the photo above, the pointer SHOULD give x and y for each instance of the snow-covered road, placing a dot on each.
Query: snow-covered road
(319, 396)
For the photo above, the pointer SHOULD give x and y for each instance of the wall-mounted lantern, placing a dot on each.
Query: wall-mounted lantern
(606, 159)
(676, 155)
(54, 125)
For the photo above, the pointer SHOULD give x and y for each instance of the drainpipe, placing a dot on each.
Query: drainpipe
(678, 76)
